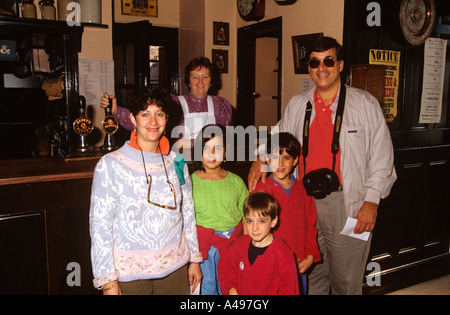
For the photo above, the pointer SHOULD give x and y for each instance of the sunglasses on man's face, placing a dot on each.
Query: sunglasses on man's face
(328, 62)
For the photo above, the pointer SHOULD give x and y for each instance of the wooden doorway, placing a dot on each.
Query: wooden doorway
(255, 60)
(144, 56)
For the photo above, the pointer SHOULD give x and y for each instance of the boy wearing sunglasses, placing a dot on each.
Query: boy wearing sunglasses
(363, 164)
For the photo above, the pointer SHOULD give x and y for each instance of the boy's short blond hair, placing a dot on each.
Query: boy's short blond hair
(263, 203)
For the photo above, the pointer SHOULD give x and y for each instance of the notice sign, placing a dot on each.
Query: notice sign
(433, 80)
(390, 59)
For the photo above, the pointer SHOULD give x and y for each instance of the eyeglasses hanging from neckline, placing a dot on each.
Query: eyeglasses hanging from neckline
(157, 204)
(148, 177)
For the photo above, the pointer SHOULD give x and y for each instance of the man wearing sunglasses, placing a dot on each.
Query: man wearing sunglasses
(362, 161)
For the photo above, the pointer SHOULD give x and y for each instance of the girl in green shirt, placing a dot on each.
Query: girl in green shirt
(218, 198)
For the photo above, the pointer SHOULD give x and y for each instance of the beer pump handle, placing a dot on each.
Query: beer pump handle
(83, 125)
(82, 104)
(110, 126)
(108, 109)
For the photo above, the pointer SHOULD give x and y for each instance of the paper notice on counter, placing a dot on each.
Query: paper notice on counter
(433, 81)
(350, 227)
(95, 78)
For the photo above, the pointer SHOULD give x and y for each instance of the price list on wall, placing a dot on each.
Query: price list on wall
(95, 78)
(433, 80)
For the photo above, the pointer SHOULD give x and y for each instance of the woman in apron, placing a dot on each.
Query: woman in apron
(199, 108)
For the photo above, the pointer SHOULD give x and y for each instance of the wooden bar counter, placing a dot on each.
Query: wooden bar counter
(44, 226)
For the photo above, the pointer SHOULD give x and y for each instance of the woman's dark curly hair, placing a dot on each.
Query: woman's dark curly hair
(142, 98)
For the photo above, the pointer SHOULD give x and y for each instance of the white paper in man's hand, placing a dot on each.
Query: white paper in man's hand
(350, 227)
(197, 290)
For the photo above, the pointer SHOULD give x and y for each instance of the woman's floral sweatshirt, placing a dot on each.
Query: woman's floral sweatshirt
(131, 238)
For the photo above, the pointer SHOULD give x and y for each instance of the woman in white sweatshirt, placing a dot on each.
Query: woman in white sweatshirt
(142, 221)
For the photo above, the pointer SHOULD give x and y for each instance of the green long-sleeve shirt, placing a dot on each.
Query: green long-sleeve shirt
(218, 204)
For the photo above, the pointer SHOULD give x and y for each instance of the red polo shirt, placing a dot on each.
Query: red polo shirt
(320, 139)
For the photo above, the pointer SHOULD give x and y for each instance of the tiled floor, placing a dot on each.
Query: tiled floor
(439, 286)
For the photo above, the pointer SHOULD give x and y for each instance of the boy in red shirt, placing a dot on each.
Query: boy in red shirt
(298, 213)
(259, 263)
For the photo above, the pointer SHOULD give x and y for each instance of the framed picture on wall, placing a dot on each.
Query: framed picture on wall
(301, 46)
(221, 33)
(220, 59)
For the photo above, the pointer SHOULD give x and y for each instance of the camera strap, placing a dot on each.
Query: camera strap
(336, 129)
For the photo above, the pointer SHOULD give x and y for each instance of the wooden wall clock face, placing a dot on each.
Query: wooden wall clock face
(417, 19)
(251, 10)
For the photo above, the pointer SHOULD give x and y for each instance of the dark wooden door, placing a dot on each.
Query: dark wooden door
(144, 56)
(245, 112)
(141, 48)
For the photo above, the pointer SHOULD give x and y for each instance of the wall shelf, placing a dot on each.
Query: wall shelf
(63, 46)
(9, 19)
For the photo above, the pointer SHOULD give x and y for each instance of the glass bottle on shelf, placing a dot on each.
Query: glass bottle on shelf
(28, 9)
(63, 10)
(48, 10)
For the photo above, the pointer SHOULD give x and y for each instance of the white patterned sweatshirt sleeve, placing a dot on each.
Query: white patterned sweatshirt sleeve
(190, 224)
(102, 212)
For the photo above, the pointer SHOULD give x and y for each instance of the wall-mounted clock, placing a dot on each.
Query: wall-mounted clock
(251, 10)
(417, 19)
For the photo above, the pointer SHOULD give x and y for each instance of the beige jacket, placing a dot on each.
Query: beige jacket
(367, 157)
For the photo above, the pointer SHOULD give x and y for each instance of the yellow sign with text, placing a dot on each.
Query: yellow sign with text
(390, 59)
(140, 8)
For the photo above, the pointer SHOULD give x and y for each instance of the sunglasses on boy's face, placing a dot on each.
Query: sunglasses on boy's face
(328, 62)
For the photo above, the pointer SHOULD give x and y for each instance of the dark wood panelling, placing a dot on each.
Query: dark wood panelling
(411, 238)
(23, 267)
(412, 228)
(44, 226)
